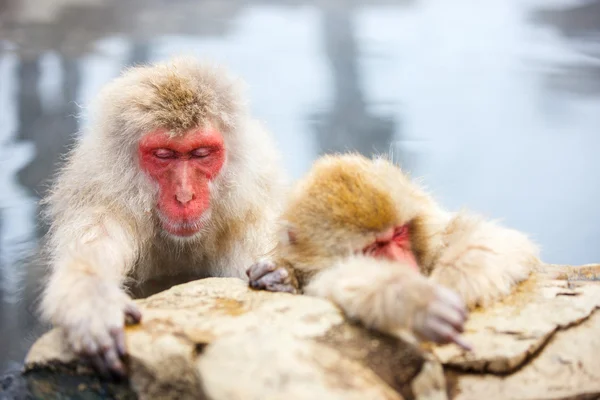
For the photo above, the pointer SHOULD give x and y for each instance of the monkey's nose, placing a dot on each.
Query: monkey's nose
(184, 196)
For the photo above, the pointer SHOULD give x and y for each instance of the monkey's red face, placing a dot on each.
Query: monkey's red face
(183, 167)
(393, 244)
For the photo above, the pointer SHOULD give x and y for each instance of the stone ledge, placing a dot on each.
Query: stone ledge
(216, 339)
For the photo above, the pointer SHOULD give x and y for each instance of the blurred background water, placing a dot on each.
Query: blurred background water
(496, 103)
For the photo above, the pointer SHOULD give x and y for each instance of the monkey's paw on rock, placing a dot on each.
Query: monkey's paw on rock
(217, 339)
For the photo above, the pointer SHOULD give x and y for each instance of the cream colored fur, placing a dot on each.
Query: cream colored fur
(104, 232)
(344, 201)
(482, 260)
(479, 259)
(379, 293)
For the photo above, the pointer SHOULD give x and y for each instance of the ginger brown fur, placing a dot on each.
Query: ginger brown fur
(346, 201)
(343, 203)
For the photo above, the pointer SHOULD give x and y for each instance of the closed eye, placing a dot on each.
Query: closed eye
(164, 153)
(201, 152)
(401, 231)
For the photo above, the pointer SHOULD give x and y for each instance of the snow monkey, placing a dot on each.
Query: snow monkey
(174, 181)
(360, 233)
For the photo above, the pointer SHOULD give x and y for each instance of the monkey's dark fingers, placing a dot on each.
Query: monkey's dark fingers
(267, 279)
(452, 298)
(132, 314)
(88, 347)
(282, 288)
(276, 281)
(113, 362)
(261, 268)
(118, 335)
(459, 340)
(441, 332)
(99, 365)
(448, 314)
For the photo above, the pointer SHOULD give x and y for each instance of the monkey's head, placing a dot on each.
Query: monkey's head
(183, 168)
(348, 204)
(176, 124)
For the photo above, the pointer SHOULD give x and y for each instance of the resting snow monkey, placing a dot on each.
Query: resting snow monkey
(358, 232)
(174, 181)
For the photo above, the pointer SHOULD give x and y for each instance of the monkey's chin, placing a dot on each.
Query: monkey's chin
(184, 230)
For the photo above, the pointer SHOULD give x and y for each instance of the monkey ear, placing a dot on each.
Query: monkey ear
(287, 233)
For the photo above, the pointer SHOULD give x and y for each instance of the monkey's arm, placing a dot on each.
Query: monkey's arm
(483, 261)
(83, 294)
(392, 298)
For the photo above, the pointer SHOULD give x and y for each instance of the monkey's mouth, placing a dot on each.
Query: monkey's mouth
(183, 228)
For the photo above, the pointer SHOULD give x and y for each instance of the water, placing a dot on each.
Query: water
(495, 104)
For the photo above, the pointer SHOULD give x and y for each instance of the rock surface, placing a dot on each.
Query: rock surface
(216, 339)
(542, 342)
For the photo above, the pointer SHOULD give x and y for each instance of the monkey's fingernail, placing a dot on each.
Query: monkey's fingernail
(462, 343)
(283, 273)
(114, 363)
(258, 271)
(119, 338)
(99, 365)
(122, 349)
(89, 347)
(279, 276)
(118, 371)
(132, 311)
(276, 287)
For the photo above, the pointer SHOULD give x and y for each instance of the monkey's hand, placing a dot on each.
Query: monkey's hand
(267, 275)
(393, 298)
(93, 318)
(439, 315)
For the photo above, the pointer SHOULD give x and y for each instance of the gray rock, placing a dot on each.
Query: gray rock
(217, 339)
